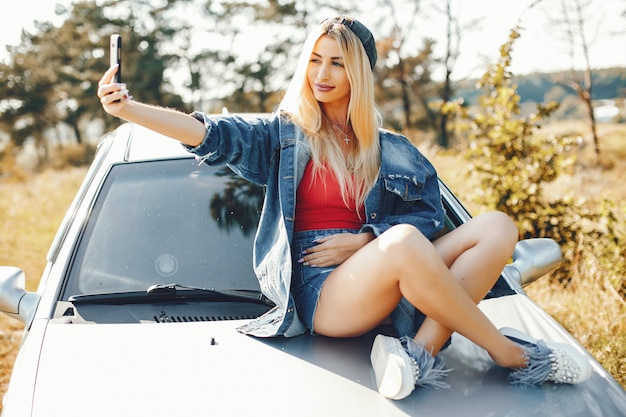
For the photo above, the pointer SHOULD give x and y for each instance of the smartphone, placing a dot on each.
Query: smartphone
(115, 54)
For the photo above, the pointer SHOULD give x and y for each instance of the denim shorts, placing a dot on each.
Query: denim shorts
(307, 281)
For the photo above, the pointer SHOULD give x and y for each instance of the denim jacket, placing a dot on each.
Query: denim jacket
(273, 152)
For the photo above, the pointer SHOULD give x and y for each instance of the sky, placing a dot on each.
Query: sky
(539, 48)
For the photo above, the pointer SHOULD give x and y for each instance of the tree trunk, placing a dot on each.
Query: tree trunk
(77, 133)
(406, 101)
(443, 121)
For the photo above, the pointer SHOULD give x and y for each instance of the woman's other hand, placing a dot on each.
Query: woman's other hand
(335, 249)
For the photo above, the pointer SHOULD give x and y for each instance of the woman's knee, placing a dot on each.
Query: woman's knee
(403, 238)
(506, 225)
(502, 230)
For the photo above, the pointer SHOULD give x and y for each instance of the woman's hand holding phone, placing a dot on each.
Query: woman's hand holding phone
(116, 101)
(111, 91)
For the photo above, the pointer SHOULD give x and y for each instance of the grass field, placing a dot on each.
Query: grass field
(30, 212)
(32, 209)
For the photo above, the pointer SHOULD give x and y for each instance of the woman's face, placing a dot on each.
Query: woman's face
(327, 75)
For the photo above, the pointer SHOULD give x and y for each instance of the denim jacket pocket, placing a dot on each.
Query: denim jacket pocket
(402, 191)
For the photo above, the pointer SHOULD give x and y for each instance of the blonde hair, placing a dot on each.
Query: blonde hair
(357, 175)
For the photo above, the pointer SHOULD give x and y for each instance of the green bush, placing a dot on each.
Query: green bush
(513, 164)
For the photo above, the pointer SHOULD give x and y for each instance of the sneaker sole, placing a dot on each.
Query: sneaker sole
(394, 376)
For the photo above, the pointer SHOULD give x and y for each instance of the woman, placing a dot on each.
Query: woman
(344, 240)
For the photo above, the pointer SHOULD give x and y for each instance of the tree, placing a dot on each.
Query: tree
(452, 52)
(573, 19)
(61, 90)
(407, 80)
(254, 60)
(404, 78)
(38, 97)
(212, 64)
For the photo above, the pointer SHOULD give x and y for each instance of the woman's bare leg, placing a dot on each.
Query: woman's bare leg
(363, 291)
(475, 253)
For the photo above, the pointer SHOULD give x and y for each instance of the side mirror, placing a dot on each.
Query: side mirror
(533, 258)
(15, 301)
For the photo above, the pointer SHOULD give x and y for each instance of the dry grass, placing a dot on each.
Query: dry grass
(31, 211)
(10, 335)
(590, 308)
(594, 314)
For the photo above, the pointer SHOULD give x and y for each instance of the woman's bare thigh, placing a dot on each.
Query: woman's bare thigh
(354, 299)
(362, 292)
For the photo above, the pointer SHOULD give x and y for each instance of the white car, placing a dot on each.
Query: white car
(150, 274)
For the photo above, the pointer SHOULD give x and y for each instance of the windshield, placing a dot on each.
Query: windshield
(168, 221)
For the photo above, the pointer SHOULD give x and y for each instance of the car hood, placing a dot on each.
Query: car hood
(208, 368)
(186, 369)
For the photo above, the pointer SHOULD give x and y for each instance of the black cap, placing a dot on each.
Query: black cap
(362, 32)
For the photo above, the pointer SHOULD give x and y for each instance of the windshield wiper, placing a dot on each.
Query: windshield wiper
(172, 292)
(238, 295)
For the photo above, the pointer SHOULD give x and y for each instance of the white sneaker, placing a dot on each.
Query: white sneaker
(395, 373)
(548, 361)
(401, 364)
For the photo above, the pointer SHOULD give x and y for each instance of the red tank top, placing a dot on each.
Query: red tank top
(319, 204)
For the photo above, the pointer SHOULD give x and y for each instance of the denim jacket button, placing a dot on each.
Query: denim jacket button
(373, 216)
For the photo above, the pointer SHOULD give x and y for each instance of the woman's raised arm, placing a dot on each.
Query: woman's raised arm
(173, 123)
